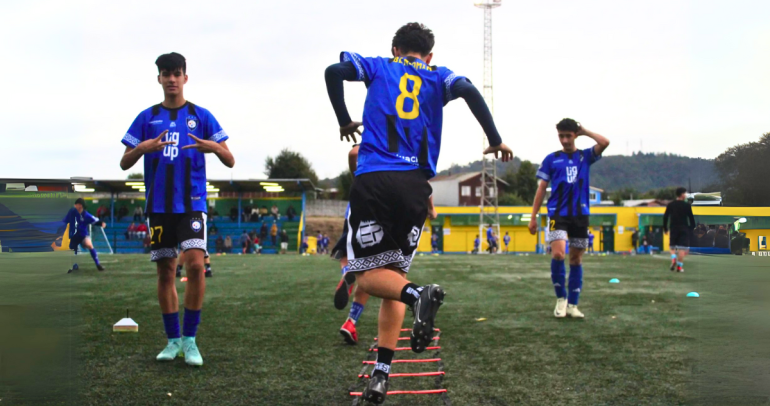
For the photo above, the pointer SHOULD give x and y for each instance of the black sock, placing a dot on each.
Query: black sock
(208, 267)
(384, 358)
(179, 268)
(410, 294)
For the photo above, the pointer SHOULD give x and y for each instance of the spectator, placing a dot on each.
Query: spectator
(245, 242)
(213, 212)
(246, 214)
(275, 212)
(122, 212)
(147, 243)
(138, 213)
(645, 245)
(263, 232)
(590, 241)
(291, 213)
(434, 243)
(257, 246)
(102, 212)
(635, 240)
(141, 230)
(228, 244)
(233, 214)
(722, 240)
(254, 216)
(284, 241)
(220, 245)
(213, 230)
(303, 247)
(263, 215)
(319, 243)
(274, 233)
(131, 232)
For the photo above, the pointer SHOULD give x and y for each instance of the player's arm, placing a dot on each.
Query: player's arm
(335, 76)
(542, 185)
(219, 149)
(665, 219)
(432, 213)
(691, 216)
(91, 219)
(353, 159)
(131, 155)
(601, 142)
(465, 89)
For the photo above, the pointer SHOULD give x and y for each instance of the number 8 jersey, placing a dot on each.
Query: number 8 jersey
(403, 112)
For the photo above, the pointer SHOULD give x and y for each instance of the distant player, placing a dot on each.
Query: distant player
(434, 243)
(568, 210)
(78, 220)
(682, 224)
(389, 199)
(206, 265)
(173, 137)
(506, 241)
(590, 242)
(476, 245)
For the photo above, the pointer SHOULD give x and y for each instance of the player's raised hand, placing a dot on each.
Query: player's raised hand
(532, 226)
(154, 144)
(104, 225)
(350, 130)
(202, 145)
(581, 130)
(501, 151)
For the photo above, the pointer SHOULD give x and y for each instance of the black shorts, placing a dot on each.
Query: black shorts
(573, 229)
(340, 249)
(387, 213)
(679, 238)
(167, 230)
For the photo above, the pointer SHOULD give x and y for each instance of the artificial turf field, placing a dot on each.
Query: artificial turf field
(269, 334)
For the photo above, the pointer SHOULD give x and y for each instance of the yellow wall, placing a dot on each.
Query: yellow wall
(460, 238)
(752, 236)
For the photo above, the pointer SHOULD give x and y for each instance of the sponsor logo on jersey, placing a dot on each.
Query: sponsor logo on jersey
(171, 151)
(156, 122)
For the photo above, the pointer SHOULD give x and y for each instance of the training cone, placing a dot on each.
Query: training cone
(126, 325)
(614, 280)
(693, 294)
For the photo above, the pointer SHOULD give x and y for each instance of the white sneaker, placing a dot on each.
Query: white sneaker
(572, 311)
(561, 308)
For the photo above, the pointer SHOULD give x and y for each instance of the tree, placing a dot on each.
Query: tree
(135, 176)
(742, 170)
(511, 199)
(344, 184)
(289, 165)
(526, 181)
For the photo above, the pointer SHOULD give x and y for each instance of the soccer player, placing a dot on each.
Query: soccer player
(173, 137)
(590, 242)
(682, 224)
(78, 220)
(568, 210)
(476, 245)
(506, 241)
(206, 265)
(389, 199)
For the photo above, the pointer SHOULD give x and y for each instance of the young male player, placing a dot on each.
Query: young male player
(173, 137)
(78, 220)
(568, 210)
(682, 224)
(389, 198)
(506, 241)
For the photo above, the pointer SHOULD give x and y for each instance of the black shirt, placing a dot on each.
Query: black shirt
(680, 212)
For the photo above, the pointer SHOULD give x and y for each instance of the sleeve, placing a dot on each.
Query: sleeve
(135, 133)
(212, 131)
(544, 172)
(67, 218)
(90, 219)
(366, 68)
(465, 89)
(335, 76)
(590, 153)
(449, 78)
(665, 218)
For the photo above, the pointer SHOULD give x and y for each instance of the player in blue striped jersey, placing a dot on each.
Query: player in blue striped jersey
(173, 137)
(79, 220)
(568, 209)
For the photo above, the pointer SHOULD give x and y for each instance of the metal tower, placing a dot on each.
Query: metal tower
(488, 210)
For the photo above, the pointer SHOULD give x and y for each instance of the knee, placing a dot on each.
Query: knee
(166, 276)
(194, 270)
(559, 256)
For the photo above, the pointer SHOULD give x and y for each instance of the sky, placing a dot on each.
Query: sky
(684, 77)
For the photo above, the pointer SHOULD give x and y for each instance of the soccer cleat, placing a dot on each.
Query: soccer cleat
(561, 307)
(680, 269)
(376, 390)
(208, 274)
(100, 268)
(348, 331)
(172, 350)
(572, 311)
(344, 288)
(425, 309)
(191, 354)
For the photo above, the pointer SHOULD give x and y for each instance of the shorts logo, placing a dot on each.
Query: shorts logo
(414, 236)
(196, 225)
(369, 234)
(192, 123)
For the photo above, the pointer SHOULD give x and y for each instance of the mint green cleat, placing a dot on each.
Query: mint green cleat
(171, 351)
(191, 354)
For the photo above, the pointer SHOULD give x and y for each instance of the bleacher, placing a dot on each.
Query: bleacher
(225, 227)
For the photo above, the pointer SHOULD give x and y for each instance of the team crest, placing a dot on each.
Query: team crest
(192, 123)
(196, 225)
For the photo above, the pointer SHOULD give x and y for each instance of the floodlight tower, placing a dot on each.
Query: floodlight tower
(488, 209)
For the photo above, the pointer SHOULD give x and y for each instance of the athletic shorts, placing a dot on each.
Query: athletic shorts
(387, 213)
(573, 229)
(167, 230)
(75, 241)
(340, 249)
(679, 238)
(284, 246)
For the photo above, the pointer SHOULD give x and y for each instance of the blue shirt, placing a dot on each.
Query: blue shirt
(79, 222)
(569, 178)
(489, 233)
(175, 178)
(403, 112)
(507, 239)
(476, 243)
(590, 239)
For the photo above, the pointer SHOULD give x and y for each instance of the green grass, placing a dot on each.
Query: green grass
(269, 334)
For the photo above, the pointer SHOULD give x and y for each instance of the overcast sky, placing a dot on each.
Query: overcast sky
(688, 77)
